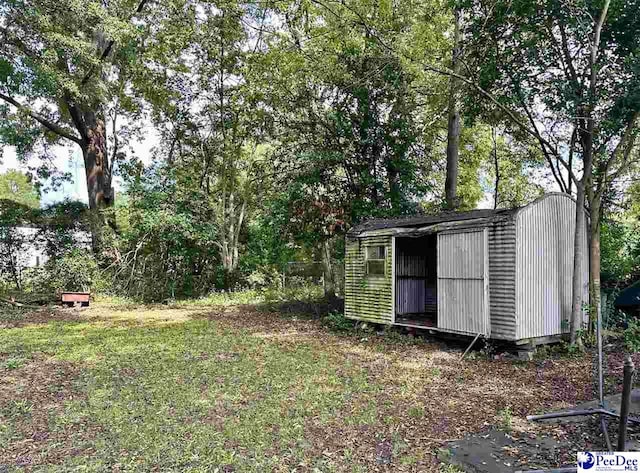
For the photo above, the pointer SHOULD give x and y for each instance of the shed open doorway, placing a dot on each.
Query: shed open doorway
(416, 280)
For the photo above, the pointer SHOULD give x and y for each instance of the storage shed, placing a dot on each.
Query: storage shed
(504, 274)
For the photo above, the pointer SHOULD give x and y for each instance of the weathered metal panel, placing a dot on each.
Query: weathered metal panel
(461, 255)
(368, 297)
(544, 274)
(411, 296)
(462, 282)
(502, 279)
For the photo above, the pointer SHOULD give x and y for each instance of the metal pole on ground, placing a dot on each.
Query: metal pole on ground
(469, 347)
(600, 366)
(625, 403)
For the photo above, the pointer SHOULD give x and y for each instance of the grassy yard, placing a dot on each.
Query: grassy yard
(233, 388)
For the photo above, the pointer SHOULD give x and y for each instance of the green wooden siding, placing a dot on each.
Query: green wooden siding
(368, 298)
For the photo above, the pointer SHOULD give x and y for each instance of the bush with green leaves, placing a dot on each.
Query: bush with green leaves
(632, 335)
(337, 322)
(75, 271)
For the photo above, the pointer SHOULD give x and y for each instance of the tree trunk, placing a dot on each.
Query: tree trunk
(578, 256)
(453, 124)
(329, 280)
(587, 132)
(98, 175)
(96, 162)
(496, 164)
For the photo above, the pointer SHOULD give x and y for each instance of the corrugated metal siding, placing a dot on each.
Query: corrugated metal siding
(461, 255)
(544, 274)
(411, 276)
(462, 282)
(368, 297)
(502, 279)
(411, 296)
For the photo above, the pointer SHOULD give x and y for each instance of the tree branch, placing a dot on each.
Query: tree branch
(107, 50)
(622, 150)
(55, 128)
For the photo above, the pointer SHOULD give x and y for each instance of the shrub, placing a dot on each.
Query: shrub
(632, 335)
(337, 322)
(75, 271)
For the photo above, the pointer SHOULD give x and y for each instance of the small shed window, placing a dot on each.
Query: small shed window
(376, 259)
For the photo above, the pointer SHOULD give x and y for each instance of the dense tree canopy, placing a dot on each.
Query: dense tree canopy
(283, 123)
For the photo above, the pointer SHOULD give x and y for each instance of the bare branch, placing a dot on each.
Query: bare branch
(54, 127)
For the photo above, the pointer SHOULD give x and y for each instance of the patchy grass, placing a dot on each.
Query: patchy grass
(191, 387)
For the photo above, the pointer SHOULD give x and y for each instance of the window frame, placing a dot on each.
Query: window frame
(368, 258)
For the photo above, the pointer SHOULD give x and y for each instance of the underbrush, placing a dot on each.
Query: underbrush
(632, 336)
(10, 313)
(337, 322)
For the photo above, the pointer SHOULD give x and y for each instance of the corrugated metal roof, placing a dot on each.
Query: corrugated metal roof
(423, 220)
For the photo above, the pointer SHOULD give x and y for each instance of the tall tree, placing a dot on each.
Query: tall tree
(345, 116)
(453, 121)
(66, 66)
(211, 130)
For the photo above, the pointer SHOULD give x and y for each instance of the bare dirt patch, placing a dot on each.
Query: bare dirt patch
(45, 315)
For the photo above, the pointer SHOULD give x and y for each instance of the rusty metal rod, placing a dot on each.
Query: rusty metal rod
(625, 403)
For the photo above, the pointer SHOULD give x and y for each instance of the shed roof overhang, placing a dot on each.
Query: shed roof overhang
(414, 232)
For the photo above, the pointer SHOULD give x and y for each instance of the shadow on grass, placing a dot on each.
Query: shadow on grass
(251, 388)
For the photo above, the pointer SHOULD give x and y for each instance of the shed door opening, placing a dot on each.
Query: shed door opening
(416, 281)
(463, 301)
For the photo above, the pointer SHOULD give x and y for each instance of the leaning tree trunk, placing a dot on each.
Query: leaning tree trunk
(586, 138)
(453, 123)
(578, 256)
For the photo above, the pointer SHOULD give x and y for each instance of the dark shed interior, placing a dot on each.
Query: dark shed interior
(416, 280)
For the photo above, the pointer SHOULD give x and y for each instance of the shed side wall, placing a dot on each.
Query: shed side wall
(368, 298)
(545, 232)
(502, 279)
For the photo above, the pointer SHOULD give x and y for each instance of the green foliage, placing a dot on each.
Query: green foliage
(337, 322)
(13, 363)
(505, 419)
(64, 226)
(450, 468)
(75, 271)
(16, 236)
(632, 336)
(17, 187)
(620, 251)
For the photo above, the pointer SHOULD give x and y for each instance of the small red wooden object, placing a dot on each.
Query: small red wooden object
(75, 298)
